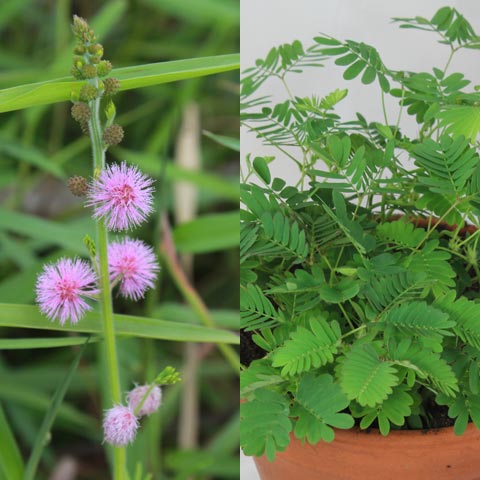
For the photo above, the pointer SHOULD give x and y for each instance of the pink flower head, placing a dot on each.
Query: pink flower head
(122, 196)
(134, 264)
(120, 425)
(151, 403)
(61, 288)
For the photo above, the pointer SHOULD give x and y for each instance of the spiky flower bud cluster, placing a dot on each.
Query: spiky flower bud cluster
(113, 134)
(81, 112)
(104, 68)
(111, 86)
(88, 92)
(78, 185)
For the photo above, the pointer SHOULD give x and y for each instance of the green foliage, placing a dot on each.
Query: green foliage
(265, 424)
(374, 314)
(318, 404)
(365, 377)
(256, 310)
(308, 348)
(392, 410)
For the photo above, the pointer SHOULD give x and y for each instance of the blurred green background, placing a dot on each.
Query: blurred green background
(195, 434)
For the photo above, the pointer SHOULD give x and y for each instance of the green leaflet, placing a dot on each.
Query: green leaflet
(308, 349)
(318, 404)
(465, 313)
(265, 424)
(392, 410)
(62, 89)
(417, 319)
(365, 377)
(26, 316)
(402, 233)
(256, 310)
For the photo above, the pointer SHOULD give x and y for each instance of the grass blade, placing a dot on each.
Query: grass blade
(208, 233)
(62, 89)
(50, 418)
(28, 316)
(29, 343)
(11, 464)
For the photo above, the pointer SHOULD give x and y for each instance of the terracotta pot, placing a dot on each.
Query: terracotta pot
(403, 455)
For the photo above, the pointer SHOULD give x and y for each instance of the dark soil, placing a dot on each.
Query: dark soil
(437, 414)
(249, 351)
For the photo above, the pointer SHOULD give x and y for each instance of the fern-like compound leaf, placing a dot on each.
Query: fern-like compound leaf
(466, 314)
(308, 348)
(365, 377)
(256, 310)
(318, 404)
(417, 319)
(265, 424)
(392, 410)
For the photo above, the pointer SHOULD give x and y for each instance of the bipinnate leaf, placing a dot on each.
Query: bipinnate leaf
(392, 410)
(265, 424)
(308, 348)
(465, 313)
(463, 407)
(256, 310)
(417, 319)
(365, 377)
(427, 365)
(317, 405)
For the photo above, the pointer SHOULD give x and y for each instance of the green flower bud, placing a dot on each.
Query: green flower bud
(81, 112)
(95, 59)
(78, 185)
(111, 85)
(96, 50)
(76, 73)
(113, 134)
(82, 31)
(104, 68)
(79, 50)
(88, 92)
(89, 71)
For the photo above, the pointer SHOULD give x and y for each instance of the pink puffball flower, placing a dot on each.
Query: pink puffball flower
(61, 289)
(121, 196)
(134, 264)
(120, 425)
(152, 402)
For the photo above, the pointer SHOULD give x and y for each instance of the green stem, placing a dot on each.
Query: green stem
(98, 151)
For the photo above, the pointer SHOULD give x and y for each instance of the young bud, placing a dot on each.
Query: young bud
(79, 50)
(90, 244)
(96, 50)
(111, 85)
(104, 68)
(89, 71)
(78, 185)
(150, 404)
(76, 73)
(88, 92)
(113, 134)
(81, 112)
(95, 59)
(82, 31)
(84, 128)
(110, 111)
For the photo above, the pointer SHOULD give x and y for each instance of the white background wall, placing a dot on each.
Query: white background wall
(268, 23)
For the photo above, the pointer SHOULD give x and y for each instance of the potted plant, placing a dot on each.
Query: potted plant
(360, 284)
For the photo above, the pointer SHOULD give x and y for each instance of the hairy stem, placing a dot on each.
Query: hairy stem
(95, 127)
